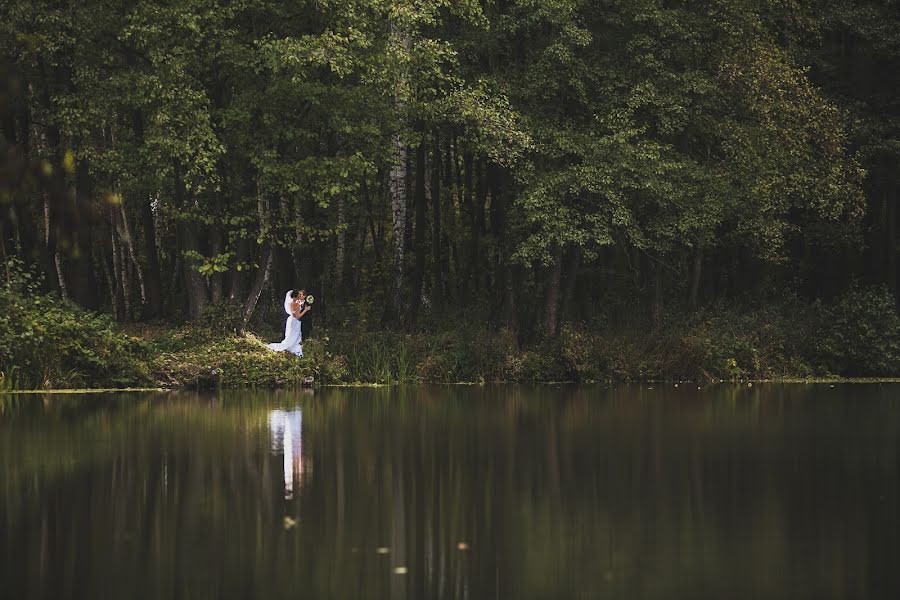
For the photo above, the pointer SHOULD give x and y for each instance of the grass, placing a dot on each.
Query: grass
(720, 346)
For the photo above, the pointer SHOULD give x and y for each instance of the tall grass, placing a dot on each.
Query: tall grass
(8, 380)
(381, 360)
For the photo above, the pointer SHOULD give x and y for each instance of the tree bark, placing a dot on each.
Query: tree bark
(551, 308)
(129, 242)
(259, 281)
(571, 280)
(657, 302)
(437, 286)
(397, 190)
(696, 268)
(339, 251)
(121, 285)
(84, 282)
(891, 245)
(265, 266)
(477, 225)
(370, 219)
(420, 247)
(152, 273)
(236, 278)
(188, 244)
(503, 268)
(113, 287)
(51, 252)
(216, 247)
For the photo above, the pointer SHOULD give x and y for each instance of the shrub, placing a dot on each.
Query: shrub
(46, 341)
(859, 334)
(577, 353)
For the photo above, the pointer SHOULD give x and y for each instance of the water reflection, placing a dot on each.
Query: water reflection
(286, 429)
(481, 492)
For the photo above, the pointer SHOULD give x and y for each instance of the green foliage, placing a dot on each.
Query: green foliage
(46, 341)
(614, 137)
(859, 334)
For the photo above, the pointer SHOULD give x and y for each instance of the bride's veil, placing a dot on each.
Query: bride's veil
(287, 302)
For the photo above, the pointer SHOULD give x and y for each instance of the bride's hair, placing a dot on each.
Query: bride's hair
(295, 294)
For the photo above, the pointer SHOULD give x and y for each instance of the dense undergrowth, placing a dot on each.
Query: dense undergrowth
(48, 342)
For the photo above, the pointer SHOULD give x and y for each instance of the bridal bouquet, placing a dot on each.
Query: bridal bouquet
(310, 299)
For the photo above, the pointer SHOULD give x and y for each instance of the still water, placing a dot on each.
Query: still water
(632, 492)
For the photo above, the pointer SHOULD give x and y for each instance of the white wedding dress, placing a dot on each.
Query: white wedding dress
(293, 337)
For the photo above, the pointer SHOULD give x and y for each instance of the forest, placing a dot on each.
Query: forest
(602, 188)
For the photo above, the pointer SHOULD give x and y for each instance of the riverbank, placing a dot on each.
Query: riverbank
(162, 356)
(47, 343)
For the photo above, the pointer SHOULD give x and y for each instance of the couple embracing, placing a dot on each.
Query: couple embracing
(296, 305)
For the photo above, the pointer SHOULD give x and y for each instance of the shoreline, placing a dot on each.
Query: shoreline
(674, 383)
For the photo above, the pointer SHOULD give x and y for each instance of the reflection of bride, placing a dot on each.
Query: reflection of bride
(293, 340)
(286, 428)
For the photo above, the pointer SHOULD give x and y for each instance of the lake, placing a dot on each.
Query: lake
(632, 492)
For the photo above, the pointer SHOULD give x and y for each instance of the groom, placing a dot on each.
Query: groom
(303, 308)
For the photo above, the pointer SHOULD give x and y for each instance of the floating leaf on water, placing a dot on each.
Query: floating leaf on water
(289, 523)
(400, 570)
(382, 550)
(462, 546)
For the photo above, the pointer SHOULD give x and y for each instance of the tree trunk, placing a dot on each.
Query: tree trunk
(503, 268)
(466, 271)
(84, 282)
(193, 281)
(397, 190)
(51, 251)
(419, 274)
(216, 247)
(879, 240)
(60, 275)
(339, 251)
(121, 285)
(437, 286)
(892, 240)
(236, 278)
(129, 242)
(370, 219)
(262, 277)
(153, 275)
(188, 244)
(571, 280)
(656, 308)
(477, 225)
(113, 287)
(551, 308)
(696, 268)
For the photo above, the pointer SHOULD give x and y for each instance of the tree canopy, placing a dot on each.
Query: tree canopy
(528, 160)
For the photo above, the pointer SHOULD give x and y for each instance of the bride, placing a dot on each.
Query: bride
(295, 306)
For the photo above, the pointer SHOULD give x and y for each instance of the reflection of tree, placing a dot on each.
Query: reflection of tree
(568, 492)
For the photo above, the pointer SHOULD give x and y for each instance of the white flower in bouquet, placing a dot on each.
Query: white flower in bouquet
(310, 299)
